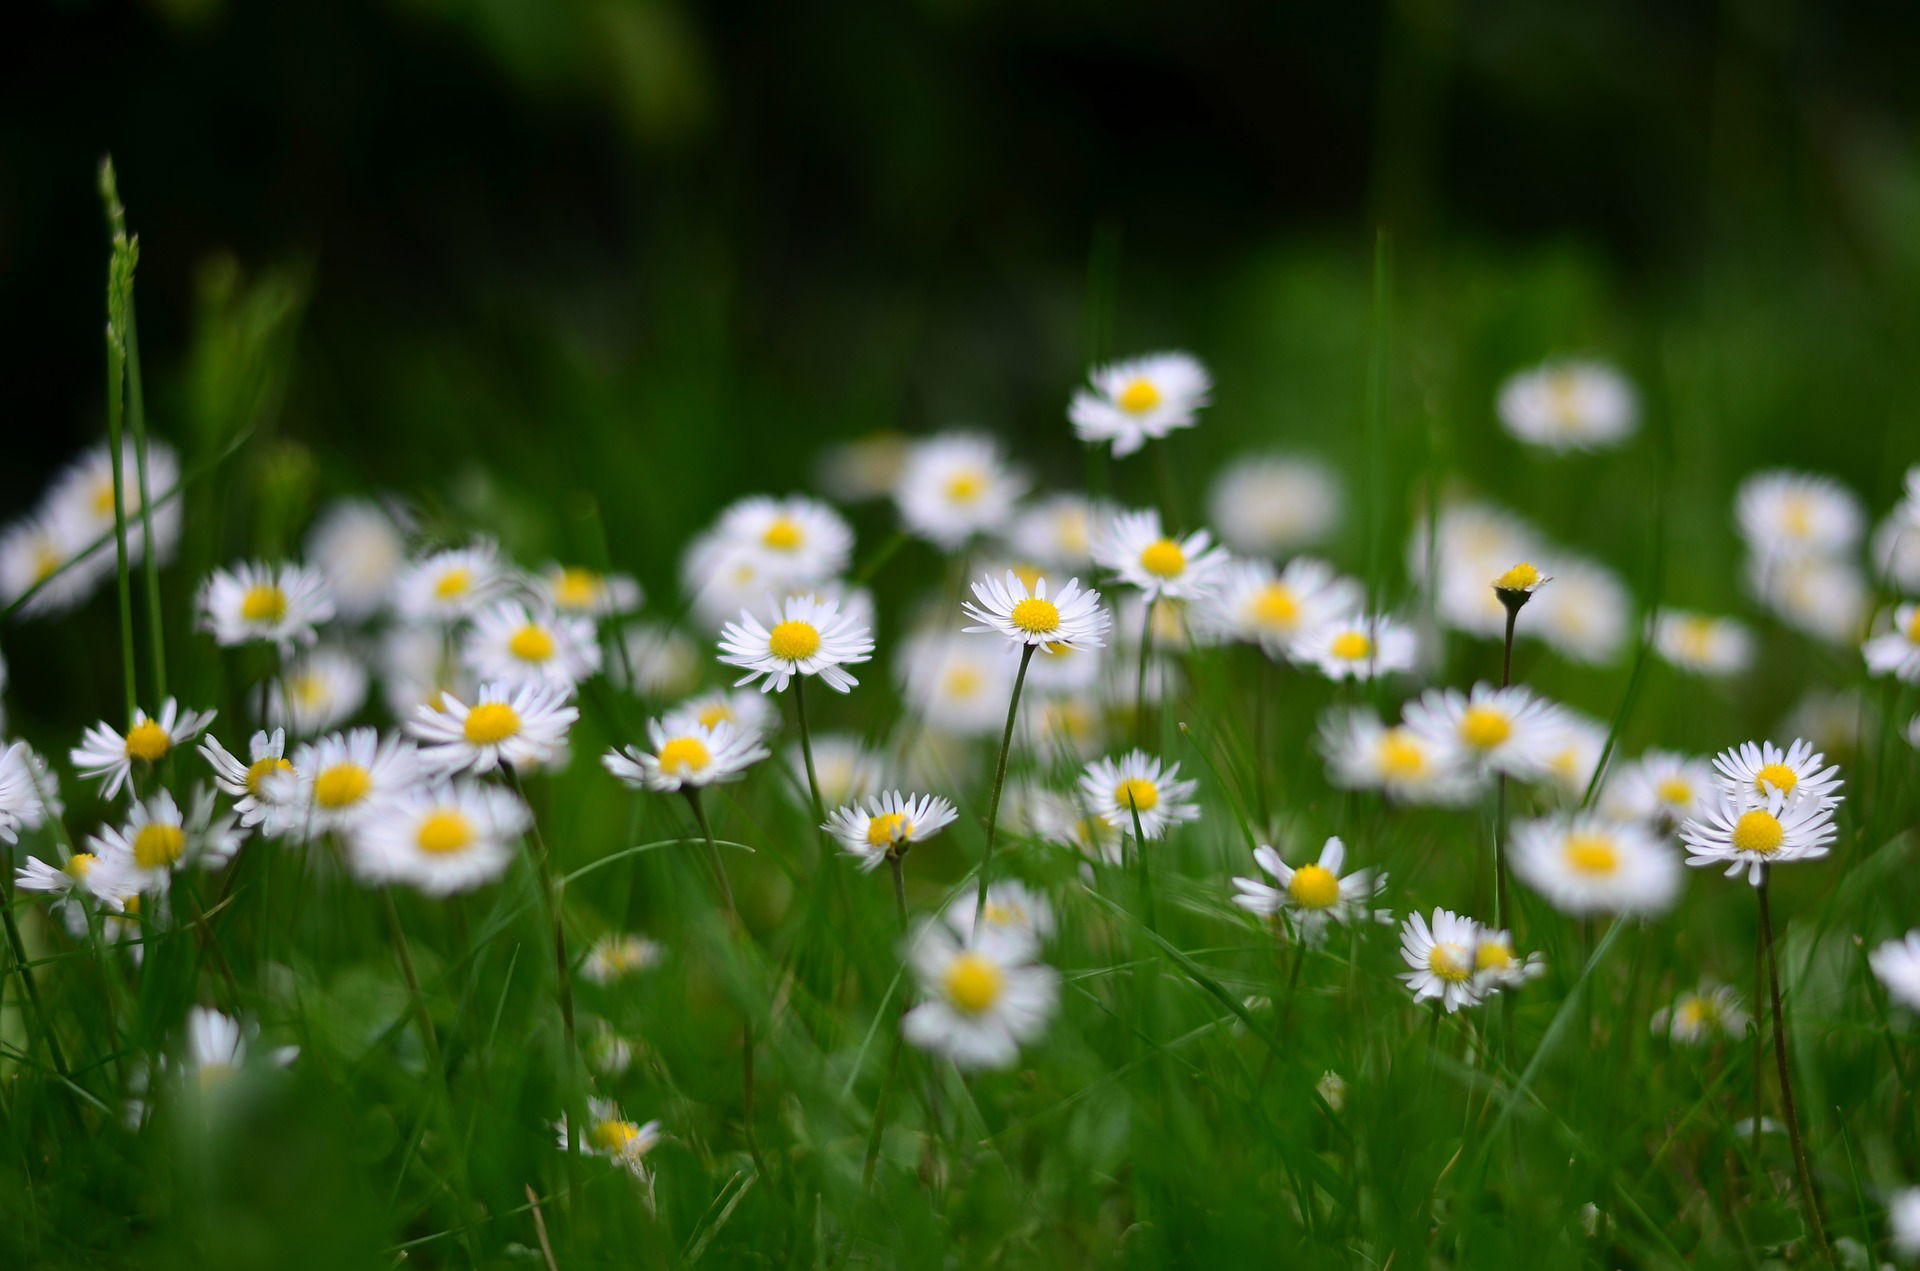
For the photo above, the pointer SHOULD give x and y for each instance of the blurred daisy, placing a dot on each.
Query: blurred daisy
(158, 838)
(1139, 785)
(1575, 754)
(1139, 400)
(506, 725)
(1488, 729)
(1895, 549)
(28, 791)
(1734, 832)
(1443, 959)
(1585, 615)
(797, 539)
(109, 755)
(888, 825)
(957, 685)
(1138, 550)
(686, 758)
(82, 875)
(617, 955)
(1470, 543)
(607, 1052)
(980, 1001)
(1065, 725)
(1061, 669)
(216, 1046)
(847, 768)
(1753, 770)
(1256, 605)
(45, 548)
(665, 663)
(583, 592)
(1570, 405)
(1785, 513)
(512, 644)
(1660, 789)
(278, 604)
(1897, 964)
(1702, 643)
(1705, 1014)
(956, 485)
(1364, 754)
(1313, 895)
(357, 546)
(1586, 864)
(746, 710)
(322, 688)
(864, 468)
(1903, 1222)
(444, 838)
(1057, 530)
(337, 780)
(448, 585)
(1072, 617)
(1821, 597)
(806, 635)
(1355, 647)
(249, 783)
(1496, 966)
(1269, 505)
(1897, 652)
(82, 497)
(1332, 1088)
(1014, 913)
(609, 1134)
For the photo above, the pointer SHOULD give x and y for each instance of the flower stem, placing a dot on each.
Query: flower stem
(1140, 673)
(20, 963)
(1809, 1197)
(1500, 792)
(116, 380)
(150, 560)
(806, 747)
(999, 783)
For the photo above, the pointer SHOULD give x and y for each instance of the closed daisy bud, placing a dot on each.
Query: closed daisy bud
(1586, 864)
(276, 604)
(1570, 405)
(109, 755)
(887, 825)
(1141, 399)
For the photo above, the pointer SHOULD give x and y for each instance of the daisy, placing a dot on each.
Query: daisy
(1742, 836)
(1469, 544)
(1702, 1015)
(512, 644)
(1443, 959)
(1139, 400)
(864, 468)
(1753, 770)
(955, 485)
(746, 710)
(1587, 864)
(158, 839)
(577, 591)
(1660, 789)
(1702, 643)
(1138, 785)
(1014, 912)
(279, 604)
(796, 538)
(888, 825)
(847, 768)
(1068, 725)
(1903, 1221)
(617, 955)
(686, 758)
(1785, 513)
(607, 1052)
(665, 663)
(1073, 618)
(1897, 653)
(1057, 530)
(1496, 966)
(1517, 583)
(1268, 505)
(524, 725)
(109, 755)
(29, 793)
(448, 585)
(216, 1046)
(339, 779)
(323, 688)
(806, 636)
(356, 544)
(1313, 895)
(1138, 550)
(82, 497)
(1570, 405)
(1059, 669)
(44, 550)
(1355, 647)
(258, 800)
(1586, 614)
(1897, 964)
(1895, 549)
(1575, 753)
(443, 838)
(1256, 605)
(1489, 729)
(1364, 754)
(609, 1134)
(83, 874)
(980, 1000)
(1822, 597)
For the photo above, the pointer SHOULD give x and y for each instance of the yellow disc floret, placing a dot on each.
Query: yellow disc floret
(1451, 963)
(1276, 606)
(490, 723)
(966, 485)
(1036, 616)
(576, 588)
(684, 756)
(1759, 832)
(1675, 790)
(1352, 646)
(781, 536)
(793, 640)
(444, 832)
(1522, 577)
(453, 584)
(1492, 955)
(342, 786)
(260, 769)
(888, 828)
(147, 740)
(1401, 755)
(718, 713)
(1592, 854)
(1314, 887)
(1138, 397)
(265, 603)
(531, 644)
(1163, 558)
(158, 846)
(1483, 727)
(973, 982)
(1137, 793)
(1778, 776)
(614, 1136)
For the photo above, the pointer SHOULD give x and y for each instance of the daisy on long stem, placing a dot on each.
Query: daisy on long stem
(1513, 588)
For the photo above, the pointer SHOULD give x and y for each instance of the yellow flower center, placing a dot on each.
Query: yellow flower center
(531, 644)
(308, 688)
(1674, 790)
(158, 846)
(1138, 397)
(1400, 755)
(1314, 887)
(962, 682)
(967, 485)
(792, 640)
(1036, 616)
(491, 723)
(1483, 728)
(444, 832)
(103, 497)
(1692, 1015)
(80, 864)
(1137, 793)
(1519, 578)
(1276, 606)
(576, 588)
(1163, 559)
(46, 559)
(265, 603)
(1352, 646)
(973, 983)
(1492, 955)
(342, 786)
(887, 829)
(718, 713)
(684, 756)
(260, 769)
(1797, 513)
(999, 915)
(1776, 775)
(453, 584)
(1759, 832)
(1913, 626)
(1451, 963)
(781, 536)
(147, 740)
(617, 1137)
(1592, 854)
(1696, 637)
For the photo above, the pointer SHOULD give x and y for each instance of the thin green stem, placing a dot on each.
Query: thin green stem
(881, 1101)
(1809, 1197)
(806, 748)
(124, 580)
(150, 557)
(21, 964)
(999, 783)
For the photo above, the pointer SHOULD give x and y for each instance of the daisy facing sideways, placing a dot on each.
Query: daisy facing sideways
(158, 839)
(1897, 652)
(1141, 399)
(888, 825)
(981, 1000)
(1497, 967)
(805, 635)
(442, 839)
(609, 1134)
(28, 791)
(1753, 770)
(1071, 618)
(1313, 895)
(109, 755)
(686, 757)
(1014, 912)
(1137, 785)
(1443, 957)
(1701, 1015)
(249, 783)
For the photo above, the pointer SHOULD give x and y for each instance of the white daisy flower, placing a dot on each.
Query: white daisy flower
(1586, 864)
(807, 635)
(357, 545)
(1256, 605)
(82, 497)
(607, 1052)
(1822, 597)
(510, 643)
(1587, 612)
(1705, 1014)
(797, 539)
(609, 1134)
(1355, 647)
(1014, 913)
(1742, 836)
(1897, 964)
(1895, 549)
(746, 710)
(617, 955)
(1138, 550)
(158, 838)
(1313, 895)
(323, 688)
(1897, 652)
(1073, 617)
(864, 468)
(279, 604)
(340, 779)
(109, 755)
(36, 548)
(216, 1046)
(686, 758)
(258, 800)
(29, 792)
(1753, 770)
(1702, 643)
(1496, 966)
(83, 875)
(1575, 754)
(524, 725)
(1903, 1222)
(1364, 754)
(1269, 505)
(665, 663)
(581, 592)
(1057, 530)
(1137, 784)
(1785, 513)
(847, 768)
(956, 485)
(1570, 405)
(448, 585)
(1659, 789)
(1332, 1088)
(888, 824)
(443, 838)
(1443, 959)
(980, 1001)
(1139, 400)
(1489, 729)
